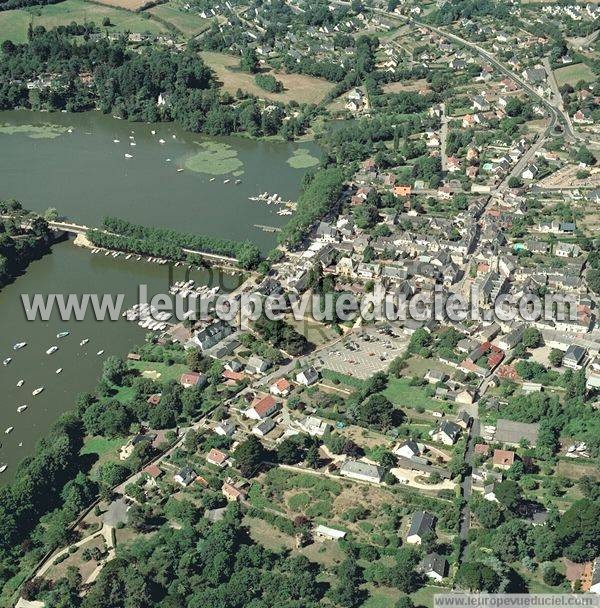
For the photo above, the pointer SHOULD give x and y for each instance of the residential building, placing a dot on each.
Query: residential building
(421, 525)
(361, 471)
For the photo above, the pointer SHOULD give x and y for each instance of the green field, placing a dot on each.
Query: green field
(400, 393)
(572, 74)
(101, 445)
(189, 24)
(159, 371)
(14, 23)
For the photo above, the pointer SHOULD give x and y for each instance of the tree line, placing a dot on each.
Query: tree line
(161, 242)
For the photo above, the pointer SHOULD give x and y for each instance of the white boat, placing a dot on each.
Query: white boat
(6, 361)
(9, 430)
(19, 345)
(212, 179)
(132, 143)
(3, 467)
(62, 334)
(59, 370)
(128, 155)
(226, 181)
(153, 132)
(179, 170)
(116, 141)
(161, 141)
(168, 160)
(20, 383)
(238, 181)
(22, 408)
(20, 444)
(84, 342)
(52, 350)
(100, 352)
(37, 391)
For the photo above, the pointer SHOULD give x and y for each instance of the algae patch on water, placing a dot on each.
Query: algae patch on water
(215, 159)
(46, 131)
(302, 159)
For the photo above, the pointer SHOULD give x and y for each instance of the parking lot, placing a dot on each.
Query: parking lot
(362, 355)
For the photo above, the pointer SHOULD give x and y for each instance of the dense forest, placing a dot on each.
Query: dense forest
(161, 242)
(7, 5)
(107, 75)
(18, 246)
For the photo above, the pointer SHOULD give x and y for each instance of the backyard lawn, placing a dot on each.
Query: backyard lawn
(159, 371)
(401, 394)
(572, 74)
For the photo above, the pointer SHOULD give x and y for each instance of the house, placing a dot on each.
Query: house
(153, 472)
(232, 493)
(191, 379)
(529, 172)
(264, 427)
(447, 432)
(225, 428)
(573, 357)
(281, 388)
(316, 427)
(212, 334)
(127, 450)
(482, 449)
(409, 449)
(322, 533)
(434, 566)
(503, 459)
(262, 408)
(327, 232)
(185, 477)
(433, 376)
(489, 493)
(361, 471)
(534, 75)
(421, 525)
(308, 376)
(256, 365)
(218, 458)
(463, 419)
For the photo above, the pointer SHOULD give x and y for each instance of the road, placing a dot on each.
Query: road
(443, 137)
(467, 484)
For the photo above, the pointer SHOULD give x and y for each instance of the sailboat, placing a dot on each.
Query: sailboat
(6, 361)
(59, 370)
(100, 352)
(37, 391)
(3, 467)
(20, 383)
(22, 408)
(84, 342)
(9, 430)
(52, 350)
(62, 334)
(19, 345)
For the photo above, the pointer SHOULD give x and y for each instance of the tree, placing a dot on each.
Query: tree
(555, 357)
(476, 576)
(508, 494)
(532, 337)
(585, 156)
(289, 451)
(249, 456)
(376, 411)
(578, 531)
(113, 370)
(312, 456)
(487, 513)
(249, 61)
(552, 576)
(347, 592)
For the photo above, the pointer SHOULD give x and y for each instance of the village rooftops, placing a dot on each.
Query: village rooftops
(422, 523)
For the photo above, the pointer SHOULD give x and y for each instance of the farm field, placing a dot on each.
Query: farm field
(129, 5)
(572, 74)
(188, 23)
(297, 87)
(14, 23)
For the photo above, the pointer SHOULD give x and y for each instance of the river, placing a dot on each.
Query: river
(71, 162)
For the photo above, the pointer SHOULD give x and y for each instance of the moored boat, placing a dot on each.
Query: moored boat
(19, 345)
(62, 334)
(3, 467)
(9, 430)
(20, 383)
(59, 370)
(37, 391)
(22, 408)
(100, 352)
(6, 361)
(84, 342)
(52, 350)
